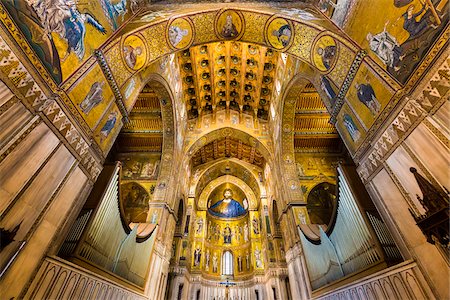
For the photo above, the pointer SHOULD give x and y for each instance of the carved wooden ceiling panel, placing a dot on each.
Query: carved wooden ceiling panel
(313, 132)
(144, 131)
(228, 75)
(228, 147)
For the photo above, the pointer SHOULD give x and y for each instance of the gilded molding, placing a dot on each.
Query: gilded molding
(113, 84)
(31, 93)
(339, 102)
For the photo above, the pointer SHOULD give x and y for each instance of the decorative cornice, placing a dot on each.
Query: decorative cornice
(339, 101)
(28, 90)
(293, 253)
(113, 84)
(435, 92)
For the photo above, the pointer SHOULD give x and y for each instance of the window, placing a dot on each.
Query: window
(227, 263)
(180, 291)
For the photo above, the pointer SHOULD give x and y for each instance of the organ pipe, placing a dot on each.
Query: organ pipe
(107, 244)
(351, 246)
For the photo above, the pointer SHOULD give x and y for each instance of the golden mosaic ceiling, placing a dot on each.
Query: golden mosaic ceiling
(228, 75)
(228, 147)
(143, 133)
(313, 132)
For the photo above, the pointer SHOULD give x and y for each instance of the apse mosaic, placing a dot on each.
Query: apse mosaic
(398, 34)
(227, 201)
(216, 237)
(64, 33)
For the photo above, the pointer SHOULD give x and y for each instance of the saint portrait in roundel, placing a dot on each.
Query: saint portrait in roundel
(227, 207)
(324, 53)
(279, 33)
(229, 24)
(179, 33)
(134, 52)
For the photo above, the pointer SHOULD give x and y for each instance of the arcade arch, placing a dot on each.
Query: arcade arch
(307, 27)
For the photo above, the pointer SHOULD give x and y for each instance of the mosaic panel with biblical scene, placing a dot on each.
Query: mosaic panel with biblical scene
(398, 34)
(140, 166)
(65, 33)
(350, 128)
(134, 199)
(108, 128)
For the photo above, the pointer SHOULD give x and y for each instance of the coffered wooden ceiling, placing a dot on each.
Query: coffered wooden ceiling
(228, 75)
(313, 132)
(143, 133)
(228, 147)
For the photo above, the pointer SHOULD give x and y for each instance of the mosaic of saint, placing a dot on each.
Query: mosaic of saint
(367, 95)
(134, 52)
(180, 33)
(279, 33)
(229, 24)
(329, 89)
(108, 128)
(324, 53)
(227, 207)
(350, 128)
